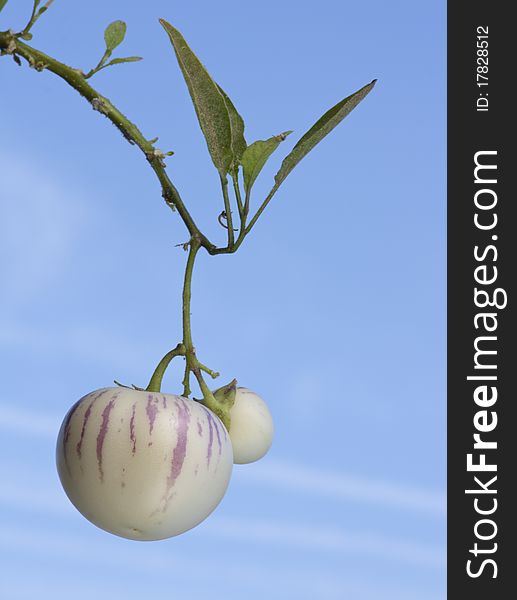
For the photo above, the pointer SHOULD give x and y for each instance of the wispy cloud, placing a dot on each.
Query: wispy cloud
(296, 536)
(82, 341)
(323, 539)
(338, 485)
(28, 422)
(37, 230)
(165, 565)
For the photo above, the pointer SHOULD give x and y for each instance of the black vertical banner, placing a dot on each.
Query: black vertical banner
(482, 269)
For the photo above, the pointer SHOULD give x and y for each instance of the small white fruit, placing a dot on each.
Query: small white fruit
(251, 429)
(143, 465)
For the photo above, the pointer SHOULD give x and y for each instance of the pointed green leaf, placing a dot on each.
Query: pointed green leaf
(256, 155)
(237, 127)
(118, 61)
(209, 103)
(114, 35)
(2, 4)
(319, 130)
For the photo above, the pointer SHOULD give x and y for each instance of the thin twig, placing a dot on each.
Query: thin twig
(237, 191)
(227, 210)
(34, 17)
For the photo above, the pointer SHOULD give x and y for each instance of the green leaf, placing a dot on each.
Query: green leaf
(319, 130)
(256, 155)
(237, 126)
(2, 4)
(114, 35)
(118, 61)
(209, 103)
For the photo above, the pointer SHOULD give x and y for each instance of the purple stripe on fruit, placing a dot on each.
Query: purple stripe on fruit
(151, 410)
(180, 450)
(132, 435)
(102, 433)
(83, 428)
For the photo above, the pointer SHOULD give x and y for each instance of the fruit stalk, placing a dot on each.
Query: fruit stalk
(192, 363)
(187, 295)
(155, 383)
(187, 349)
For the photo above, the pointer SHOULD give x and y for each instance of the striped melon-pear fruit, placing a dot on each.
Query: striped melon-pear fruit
(143, 465)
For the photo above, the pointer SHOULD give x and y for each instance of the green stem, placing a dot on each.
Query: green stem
(230, 249)
(99, 66)
(187, 294)
(227, 210)
(210, 401)
(32, 19)
(261, 209)
(193, 365)
(35, 16)
(186, 348)
(213, 374)
(247, 203)
(155, 384)
(186, 381)
(190, 354)
(238, 197)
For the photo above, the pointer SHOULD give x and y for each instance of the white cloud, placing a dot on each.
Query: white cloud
(80, 341)
(164, 565)
(318, 482)
(28, 422)
(322, 539)
(43, 222)
(300, 537)
(40, 220)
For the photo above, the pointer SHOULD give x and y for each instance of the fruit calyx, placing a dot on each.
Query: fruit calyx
(220, 402)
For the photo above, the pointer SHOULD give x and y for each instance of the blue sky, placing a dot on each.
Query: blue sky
(333, 309)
